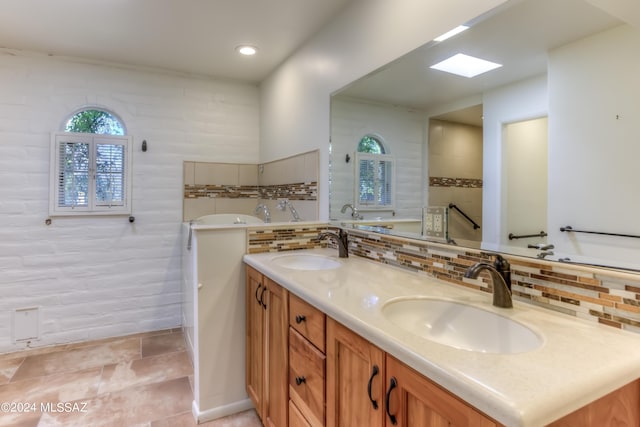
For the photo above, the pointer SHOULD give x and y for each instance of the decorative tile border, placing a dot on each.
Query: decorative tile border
(297, 191)
(441, 181)
(221, 191)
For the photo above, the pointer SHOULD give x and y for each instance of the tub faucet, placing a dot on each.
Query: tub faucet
(341, 239)
(283, 204)
(354, 211)
(265, 212)
(500, 273)
(543, 254)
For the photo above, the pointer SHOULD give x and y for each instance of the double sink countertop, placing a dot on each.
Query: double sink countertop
(578, 361)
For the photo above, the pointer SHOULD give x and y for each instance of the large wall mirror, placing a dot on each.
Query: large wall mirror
(537, 157)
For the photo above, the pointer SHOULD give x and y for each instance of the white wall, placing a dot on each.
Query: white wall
(522, 100)
(526, 163)
(593, 148)
(100, 277)
(294, 104)
(402, 131)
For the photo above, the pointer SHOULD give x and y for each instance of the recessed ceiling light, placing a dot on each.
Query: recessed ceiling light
(247, 50)
(465, 65)
(449, 34)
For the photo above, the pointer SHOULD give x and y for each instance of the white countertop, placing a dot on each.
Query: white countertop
(579, 361)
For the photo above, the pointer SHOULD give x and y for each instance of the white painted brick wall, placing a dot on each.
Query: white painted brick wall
(102, 277)
(403, 132)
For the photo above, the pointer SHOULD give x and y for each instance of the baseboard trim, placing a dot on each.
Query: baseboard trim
(220, 411)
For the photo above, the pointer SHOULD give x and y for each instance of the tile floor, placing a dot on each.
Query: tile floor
(139, 381)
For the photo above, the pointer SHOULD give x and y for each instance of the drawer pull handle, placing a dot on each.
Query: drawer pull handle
(300, 318)
(262, 297)
(392, 384)
(258, 290)
(374, 372)
(300, 380)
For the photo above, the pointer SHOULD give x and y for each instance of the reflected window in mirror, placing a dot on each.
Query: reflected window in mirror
(374, 169)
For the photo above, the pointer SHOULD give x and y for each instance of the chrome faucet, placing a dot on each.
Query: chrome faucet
(265, 212)
(341, 239)
(542, 247)
(284, 203)
(354, 211)
(500, 273)
(543, 254)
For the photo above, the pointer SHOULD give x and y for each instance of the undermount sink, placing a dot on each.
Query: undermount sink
(461, 326)
(306, 262)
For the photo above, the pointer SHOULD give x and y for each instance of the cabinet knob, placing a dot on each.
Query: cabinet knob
(300, 380)
(200, 286)
(300, 318)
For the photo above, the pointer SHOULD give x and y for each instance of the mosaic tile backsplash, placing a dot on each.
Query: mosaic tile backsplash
(285, 238)
(609, 297)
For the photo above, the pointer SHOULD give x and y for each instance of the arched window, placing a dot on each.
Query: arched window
(91, 164)
(95, 121)
(370, 144)
(375, 174)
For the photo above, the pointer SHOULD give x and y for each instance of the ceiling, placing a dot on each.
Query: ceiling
(192, 36)
(517, 35)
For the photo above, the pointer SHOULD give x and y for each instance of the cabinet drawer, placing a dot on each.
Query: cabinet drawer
(307, 320)
(306, 377)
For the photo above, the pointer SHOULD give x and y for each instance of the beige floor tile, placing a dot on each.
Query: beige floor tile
(160, 344)
(145, 371)
(182, 420)
(242, 419)
(119, 386)
(136, 406)
(8, 368)
(78, 358)
(53, 388)
(40, 391)
(19, 419)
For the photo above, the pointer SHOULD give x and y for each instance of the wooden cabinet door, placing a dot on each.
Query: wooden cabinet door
(416, 401)
(277, 351)
(296, 419)
(355, 379)
(620, 408)
(254, 330)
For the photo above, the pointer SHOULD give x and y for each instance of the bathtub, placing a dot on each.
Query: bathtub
(404, 225)
(222, 219)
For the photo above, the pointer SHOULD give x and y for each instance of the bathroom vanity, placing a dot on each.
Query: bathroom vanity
(353, 358)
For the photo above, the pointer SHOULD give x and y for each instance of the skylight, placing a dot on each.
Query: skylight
(465, 65)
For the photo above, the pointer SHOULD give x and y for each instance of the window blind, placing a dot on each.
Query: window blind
(375, 180)
(73, 178)
(110, 175)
